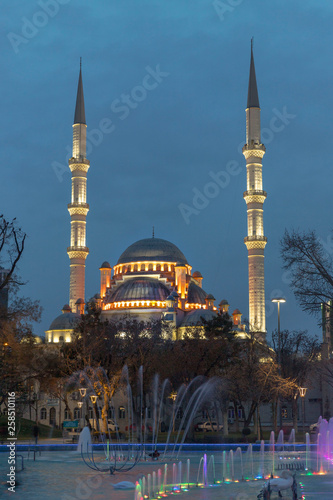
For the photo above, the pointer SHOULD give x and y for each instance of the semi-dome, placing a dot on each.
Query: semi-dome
(66, 321)
(152, 249)
(194, 318)
(139, 289)
(196, 295)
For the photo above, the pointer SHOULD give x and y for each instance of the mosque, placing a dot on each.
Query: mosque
(152, 278)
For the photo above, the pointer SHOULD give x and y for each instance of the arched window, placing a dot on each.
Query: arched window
(158, 267)
(66, 414)
(165, 267)
(43, 414)
(77, 413)
(91, 412)
(111, 412)
(150, 267)
(143, 267)
(135, 267)
(61, 338)
(121, 412)
(52, 416)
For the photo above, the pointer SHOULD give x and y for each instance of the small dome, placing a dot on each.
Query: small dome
(194, 317)
(80, 301)
(154, 250)
(210, 297)
(196, 274)
(175, 294)
(66, 309)
(236, 311)
(196, 295)
(66, 321)
(224, 303)
(97, 296)
(171, 298)
(105, 265)
(139, 289)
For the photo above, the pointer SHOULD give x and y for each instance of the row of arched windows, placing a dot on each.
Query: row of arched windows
(145, 267)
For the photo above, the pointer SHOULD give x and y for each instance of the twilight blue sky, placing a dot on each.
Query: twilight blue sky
(163, 150)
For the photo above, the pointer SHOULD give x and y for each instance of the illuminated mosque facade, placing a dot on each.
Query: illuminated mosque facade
(152, 278)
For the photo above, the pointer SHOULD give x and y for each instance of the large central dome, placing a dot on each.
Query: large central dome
(152, 249)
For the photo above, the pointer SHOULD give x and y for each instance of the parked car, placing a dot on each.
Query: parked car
(314, 428)
(209, 426)
(112, 426)
(198, 427)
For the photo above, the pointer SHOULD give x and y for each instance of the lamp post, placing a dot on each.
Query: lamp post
(279, 300)
(173, 396)
(80, 404)
(93, 399)
(302, 392)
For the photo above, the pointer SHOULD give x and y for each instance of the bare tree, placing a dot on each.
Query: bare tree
(310, 267)
(12, 240)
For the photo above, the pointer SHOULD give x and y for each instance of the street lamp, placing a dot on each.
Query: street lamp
(302, 392)
(93, 399)
(83, 391)
(173, 396)
(279, 300)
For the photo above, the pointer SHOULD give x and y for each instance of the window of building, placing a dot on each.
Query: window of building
(52, 417)
(284, 412)
(135, 267)
(142, 267)
(241, 413)
(179, 413)
(66, 414)
(61, 338)
(43, 414)
(91, 412)
(121, 412)
(158, 267)
(77, 413)
(111, 412)
(231, 413)
(150, 267)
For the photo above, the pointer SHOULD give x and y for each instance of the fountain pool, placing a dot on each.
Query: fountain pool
(61, 475)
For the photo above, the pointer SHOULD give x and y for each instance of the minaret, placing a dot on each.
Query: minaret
(78, 208)
(254, 198)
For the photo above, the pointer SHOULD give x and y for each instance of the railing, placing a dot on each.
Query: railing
(253, 192)
(255, 238)
(77, 249)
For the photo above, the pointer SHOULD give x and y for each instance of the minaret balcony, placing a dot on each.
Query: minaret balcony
(255, 238)
(80, 159)
(254, 145)
(78, 204)
(255, 192)
(77, 249)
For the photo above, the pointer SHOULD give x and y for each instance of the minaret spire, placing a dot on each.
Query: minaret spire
(252, 95)
(254, 196)
(78, 208)
(80, 116)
